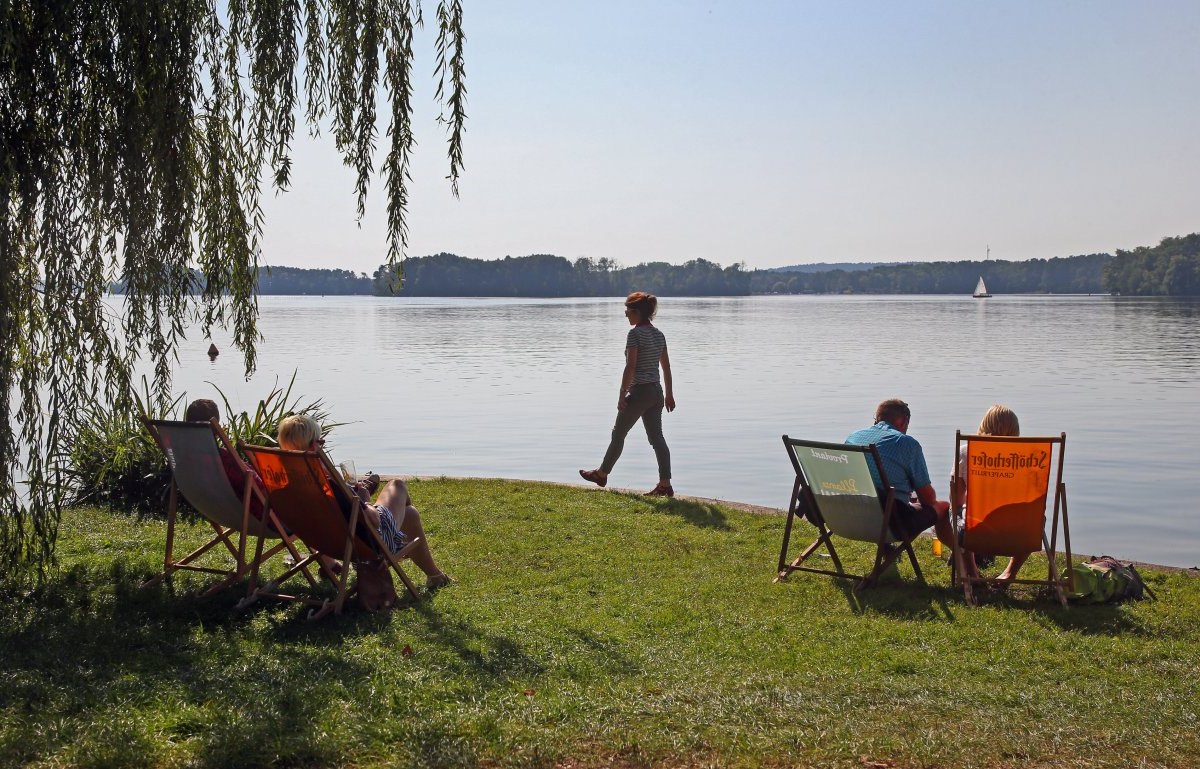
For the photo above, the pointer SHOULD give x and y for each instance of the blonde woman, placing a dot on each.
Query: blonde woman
(392, 515)
(642, 393)
(1002, 421)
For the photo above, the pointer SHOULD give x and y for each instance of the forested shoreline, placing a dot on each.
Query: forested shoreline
(1171, 268)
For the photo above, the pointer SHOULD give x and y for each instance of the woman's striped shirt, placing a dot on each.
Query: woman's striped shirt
(650, 344)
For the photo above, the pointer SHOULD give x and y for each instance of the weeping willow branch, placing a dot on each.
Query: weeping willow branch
(137, 138)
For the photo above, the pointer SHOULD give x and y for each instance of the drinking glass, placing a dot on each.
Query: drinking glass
(346, 468)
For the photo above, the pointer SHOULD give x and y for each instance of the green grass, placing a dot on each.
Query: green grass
(587, 628)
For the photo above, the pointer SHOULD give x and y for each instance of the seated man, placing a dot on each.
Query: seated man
(204, 410)
(904, 463)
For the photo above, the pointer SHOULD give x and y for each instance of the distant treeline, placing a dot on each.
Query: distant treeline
(296, 280)
(1172, 268)
(547, 275)
(1060, 275)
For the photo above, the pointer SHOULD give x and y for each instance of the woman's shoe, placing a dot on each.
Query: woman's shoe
(595, 477)
(661, 490)
(437, 582)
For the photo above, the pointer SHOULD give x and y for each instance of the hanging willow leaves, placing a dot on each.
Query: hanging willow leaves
(137, 139)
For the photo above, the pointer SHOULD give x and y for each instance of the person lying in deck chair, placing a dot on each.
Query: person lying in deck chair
(204, 410)
(904, 463)
(392, 515)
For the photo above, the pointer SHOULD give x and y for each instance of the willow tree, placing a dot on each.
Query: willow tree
(138, 140)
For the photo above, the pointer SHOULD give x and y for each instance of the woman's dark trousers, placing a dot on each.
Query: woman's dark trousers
(645, 403)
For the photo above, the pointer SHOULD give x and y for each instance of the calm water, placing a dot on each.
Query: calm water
(527, 389)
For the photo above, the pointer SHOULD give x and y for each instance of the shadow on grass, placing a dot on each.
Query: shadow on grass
(609, 653)
(703, 514)
(910, 600)
(904, 599)
(90, 646)
(490, 658)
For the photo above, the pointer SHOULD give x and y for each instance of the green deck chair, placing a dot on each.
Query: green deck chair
(193, 454)
(835, 491)
(312, 500)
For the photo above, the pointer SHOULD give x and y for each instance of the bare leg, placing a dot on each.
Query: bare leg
(395, 498)
(1014, 565)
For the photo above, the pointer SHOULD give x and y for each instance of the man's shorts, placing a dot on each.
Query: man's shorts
(909, 521)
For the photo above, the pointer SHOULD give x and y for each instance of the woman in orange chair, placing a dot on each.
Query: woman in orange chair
(392, 514)
(999, 420)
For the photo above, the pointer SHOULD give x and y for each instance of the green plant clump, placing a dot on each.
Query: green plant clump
(114, 463)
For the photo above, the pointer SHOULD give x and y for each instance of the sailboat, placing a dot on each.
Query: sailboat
(981, 291)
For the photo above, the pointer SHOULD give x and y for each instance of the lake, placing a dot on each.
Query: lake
(527, 388)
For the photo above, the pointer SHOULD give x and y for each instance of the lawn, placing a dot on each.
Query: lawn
(587, 628)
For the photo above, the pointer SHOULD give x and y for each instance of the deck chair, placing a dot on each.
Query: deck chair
(312, 500)
(834, 489)
(197, 472)
(1007, 482)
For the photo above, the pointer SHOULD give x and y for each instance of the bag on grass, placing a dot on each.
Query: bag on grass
(1107, 580)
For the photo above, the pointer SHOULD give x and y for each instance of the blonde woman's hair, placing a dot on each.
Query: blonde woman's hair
(1000, 420)
(297, 432)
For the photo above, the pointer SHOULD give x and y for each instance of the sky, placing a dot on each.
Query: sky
(777, 133)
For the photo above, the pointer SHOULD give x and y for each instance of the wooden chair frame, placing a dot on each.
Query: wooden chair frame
(358, 539)
(803, 497)
(1049, 542)
(225, 523)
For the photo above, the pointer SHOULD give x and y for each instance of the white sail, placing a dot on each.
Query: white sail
(980, 289)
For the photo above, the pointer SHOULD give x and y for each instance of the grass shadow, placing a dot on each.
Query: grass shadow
(610, 653)
(906, 599)
(702, 514)
(491, 658)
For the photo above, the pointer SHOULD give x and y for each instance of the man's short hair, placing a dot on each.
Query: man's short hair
(891, 411)
(201, 411)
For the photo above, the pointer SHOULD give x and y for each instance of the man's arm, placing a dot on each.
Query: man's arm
(929, 499)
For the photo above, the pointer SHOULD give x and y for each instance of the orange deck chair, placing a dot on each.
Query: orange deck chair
(199, 475)
(834, 483)
(312, 500)
(1007, 483)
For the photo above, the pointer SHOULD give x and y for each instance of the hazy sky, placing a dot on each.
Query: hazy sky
(789, 132)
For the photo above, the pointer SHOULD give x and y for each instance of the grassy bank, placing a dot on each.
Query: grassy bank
(587, 628)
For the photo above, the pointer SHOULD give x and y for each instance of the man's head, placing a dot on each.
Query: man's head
(895, 412)
(201, 411)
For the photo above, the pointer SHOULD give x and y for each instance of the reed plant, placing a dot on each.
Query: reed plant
(112, 461)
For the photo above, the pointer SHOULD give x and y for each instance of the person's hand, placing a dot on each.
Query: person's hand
(361, 491)
(622, 402)
(670, 403)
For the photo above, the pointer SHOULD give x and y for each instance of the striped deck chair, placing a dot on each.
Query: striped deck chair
(193, 451)
(835, 491)
(1007, 483)
(312, 500)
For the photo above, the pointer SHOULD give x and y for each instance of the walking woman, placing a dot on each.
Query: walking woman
(641, 393)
